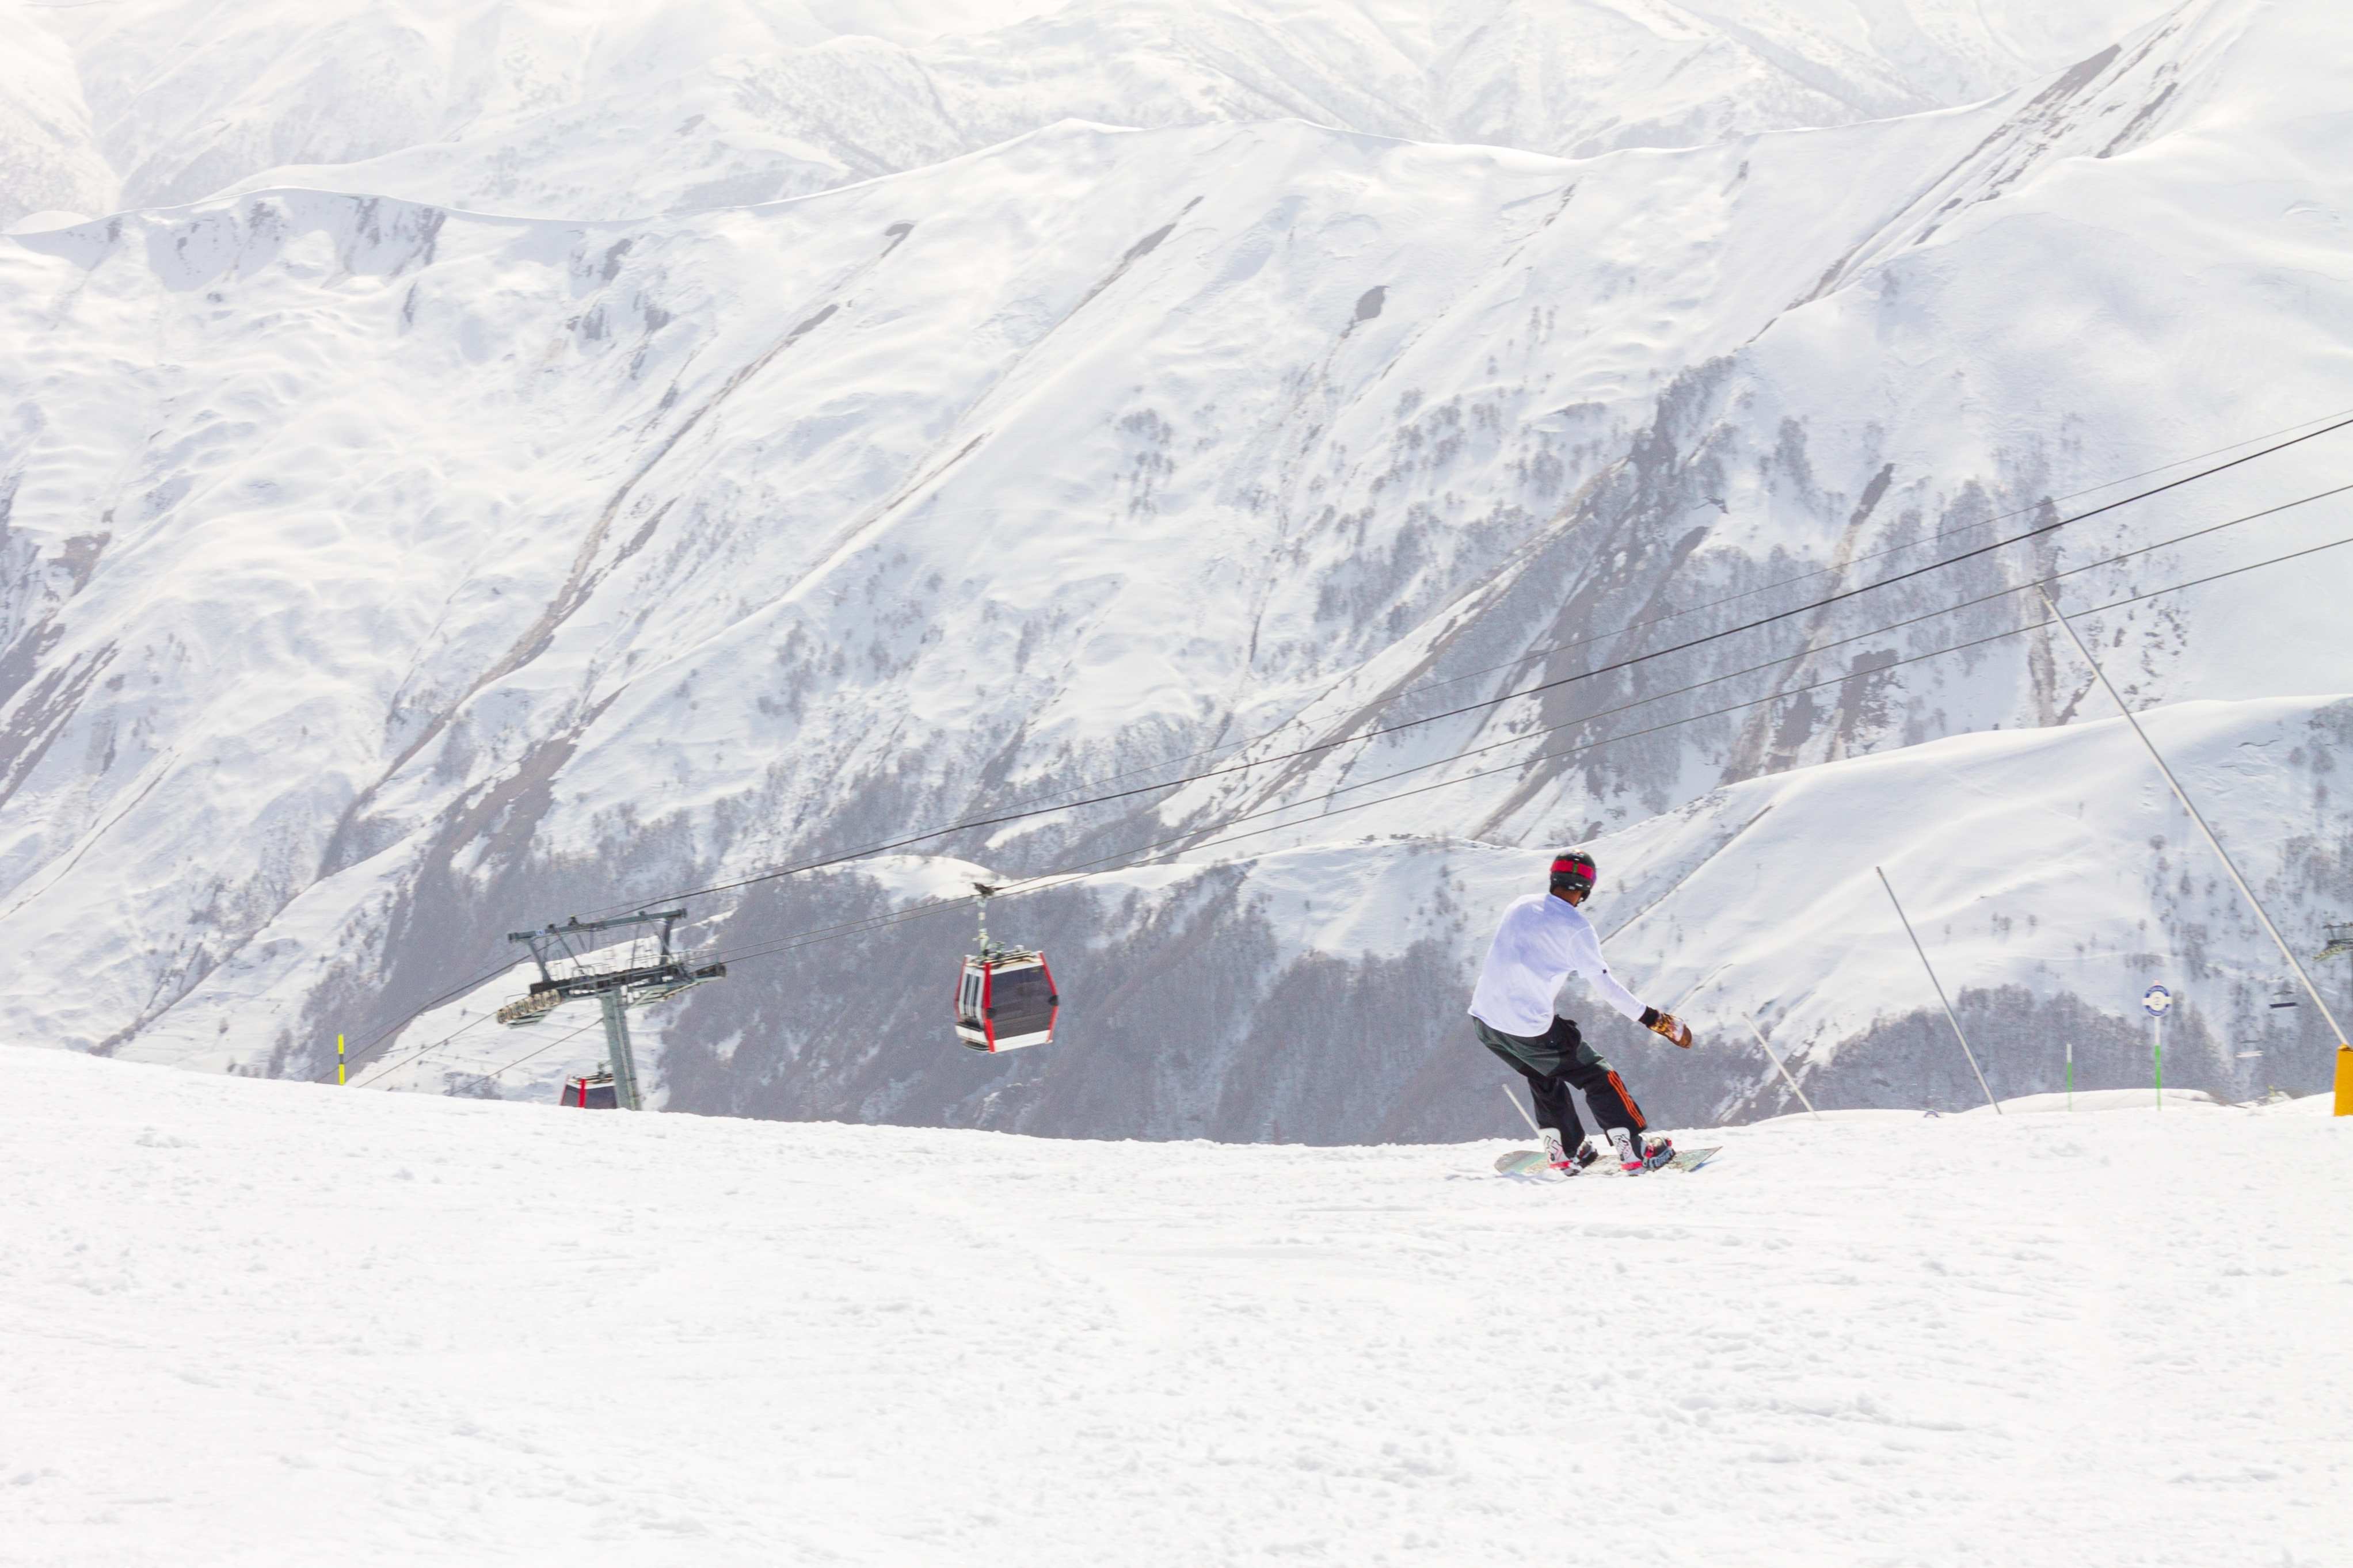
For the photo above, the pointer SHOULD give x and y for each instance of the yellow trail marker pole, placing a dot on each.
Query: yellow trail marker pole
(339, 1058)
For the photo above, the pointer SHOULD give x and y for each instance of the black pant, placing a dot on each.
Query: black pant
(1555, 1063)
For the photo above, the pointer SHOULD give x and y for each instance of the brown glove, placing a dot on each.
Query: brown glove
(1669, 1026)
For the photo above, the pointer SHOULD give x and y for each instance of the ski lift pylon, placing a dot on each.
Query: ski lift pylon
(1005, 996)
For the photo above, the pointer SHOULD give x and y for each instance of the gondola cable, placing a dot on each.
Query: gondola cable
(2335, 424)
(1139, 855)
(1549, 649)
(1047, 881)
(1133, 857)
(1552, 649)
(1818, 649)
(1368, 736)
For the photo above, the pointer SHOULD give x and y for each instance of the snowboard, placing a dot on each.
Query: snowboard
(1532, 1162)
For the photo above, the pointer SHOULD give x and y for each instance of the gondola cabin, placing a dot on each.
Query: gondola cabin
(1005, 1000)
(592, 1091)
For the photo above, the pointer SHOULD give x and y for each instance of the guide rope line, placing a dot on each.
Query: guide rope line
(1134, 856)
(1368, 736)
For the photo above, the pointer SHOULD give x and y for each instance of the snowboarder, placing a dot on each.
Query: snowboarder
(1543, 938)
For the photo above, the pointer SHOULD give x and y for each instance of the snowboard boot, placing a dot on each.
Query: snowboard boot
(1556, 1154)
(1636, 1156)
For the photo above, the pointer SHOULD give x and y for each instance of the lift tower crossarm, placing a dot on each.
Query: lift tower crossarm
(632, 986)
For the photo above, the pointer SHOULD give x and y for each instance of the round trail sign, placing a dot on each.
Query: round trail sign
(2156, 1000)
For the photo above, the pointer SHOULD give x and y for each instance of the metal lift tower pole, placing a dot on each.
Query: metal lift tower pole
(623, 1059)
(614, 991)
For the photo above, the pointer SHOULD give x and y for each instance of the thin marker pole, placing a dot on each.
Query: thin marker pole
(1931, 968)
(339, 1058)
(1777, 1062)
(2183, 796)
(1523, 1113)
(2071, 1075)
(2157, 1057)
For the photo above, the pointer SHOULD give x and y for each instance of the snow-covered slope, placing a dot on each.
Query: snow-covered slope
(267, 1323)
(381, 578)
(617, 109)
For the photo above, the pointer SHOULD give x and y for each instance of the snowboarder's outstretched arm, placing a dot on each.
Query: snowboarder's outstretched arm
(1585, 957)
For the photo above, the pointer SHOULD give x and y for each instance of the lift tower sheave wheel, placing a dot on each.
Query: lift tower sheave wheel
(613, 990)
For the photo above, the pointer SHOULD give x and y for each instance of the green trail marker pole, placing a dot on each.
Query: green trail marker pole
(2155, 1002)
(339, 1058)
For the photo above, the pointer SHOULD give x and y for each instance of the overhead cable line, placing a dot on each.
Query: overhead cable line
(2332, 423)
(1082, 870)
(391, 1066)
(1805, 653)
(543, 1050)
(1757, 702)
(1086, 870)
(1551, 648)
(1363, 737)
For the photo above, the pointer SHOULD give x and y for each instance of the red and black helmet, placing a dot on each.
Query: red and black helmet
(1573, 872)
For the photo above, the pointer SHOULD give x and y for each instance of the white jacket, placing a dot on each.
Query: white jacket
(1540, 943)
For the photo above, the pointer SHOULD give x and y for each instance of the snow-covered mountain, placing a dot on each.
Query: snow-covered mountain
(623, 108)
(384, 577)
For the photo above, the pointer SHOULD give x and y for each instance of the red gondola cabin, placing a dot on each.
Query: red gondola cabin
(593, 1091)
(1006, 999)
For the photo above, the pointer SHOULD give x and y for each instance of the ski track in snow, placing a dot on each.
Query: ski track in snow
(259, 1323)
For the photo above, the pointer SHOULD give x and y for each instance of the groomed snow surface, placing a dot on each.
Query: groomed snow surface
(264, 1323)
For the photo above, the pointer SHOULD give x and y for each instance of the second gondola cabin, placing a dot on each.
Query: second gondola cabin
(591, 1091)
(1005, 996)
